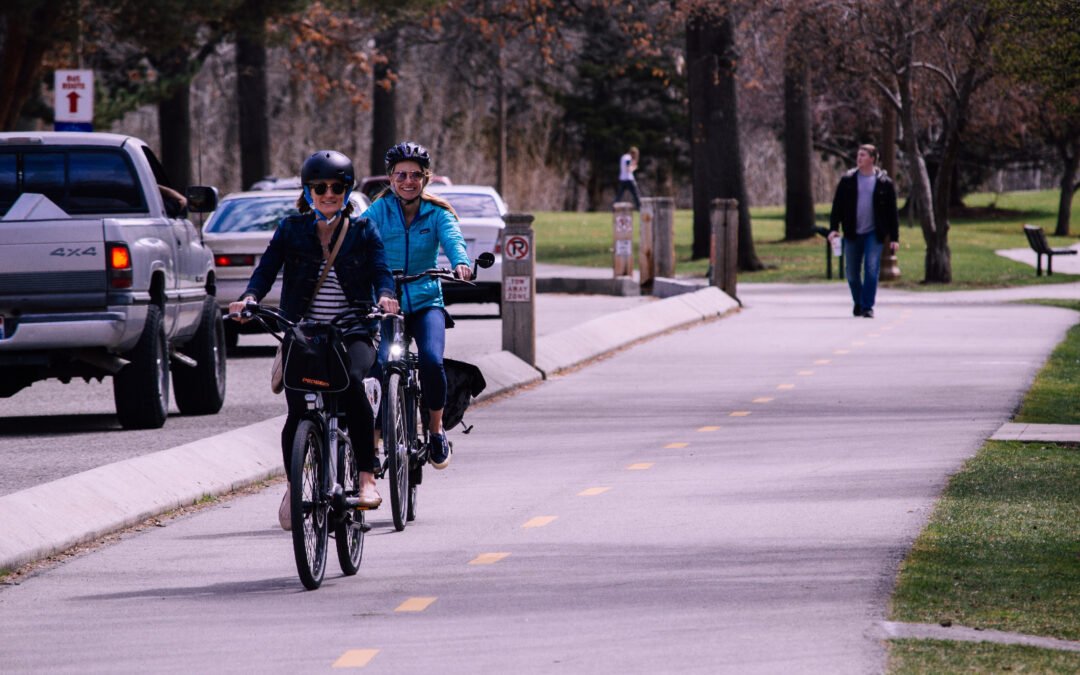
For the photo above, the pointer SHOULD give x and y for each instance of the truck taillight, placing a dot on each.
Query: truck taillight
(498, 245)
(119, 266)
(234, 260)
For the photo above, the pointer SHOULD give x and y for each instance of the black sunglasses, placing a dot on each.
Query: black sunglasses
(320, 188)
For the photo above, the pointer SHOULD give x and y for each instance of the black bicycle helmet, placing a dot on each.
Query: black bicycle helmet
(407, 151)
(328, 165)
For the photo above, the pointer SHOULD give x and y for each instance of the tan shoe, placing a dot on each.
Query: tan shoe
(369, 498)
(284, 512)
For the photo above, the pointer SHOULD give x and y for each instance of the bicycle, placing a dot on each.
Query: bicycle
(404, 424)
(324, 478)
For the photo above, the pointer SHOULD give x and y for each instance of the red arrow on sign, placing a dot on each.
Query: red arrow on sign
(73, 99)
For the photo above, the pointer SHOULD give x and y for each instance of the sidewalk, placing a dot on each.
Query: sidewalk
(49, 518)
(1063, 264)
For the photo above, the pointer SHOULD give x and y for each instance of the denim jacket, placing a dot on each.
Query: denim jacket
(416, 248)
(360, 264)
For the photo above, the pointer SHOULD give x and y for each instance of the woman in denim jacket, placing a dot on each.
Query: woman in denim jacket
(413, 225)
(302, 245)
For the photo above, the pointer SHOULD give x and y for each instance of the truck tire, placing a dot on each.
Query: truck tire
(141, 388)
(201, 390)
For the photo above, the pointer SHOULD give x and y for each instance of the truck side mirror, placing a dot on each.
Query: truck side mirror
(201, 198)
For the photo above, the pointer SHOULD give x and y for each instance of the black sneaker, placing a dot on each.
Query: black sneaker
(439, 451)
(857, 311)
(869, 314)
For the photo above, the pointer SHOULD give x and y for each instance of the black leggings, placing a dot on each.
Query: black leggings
(358, 417)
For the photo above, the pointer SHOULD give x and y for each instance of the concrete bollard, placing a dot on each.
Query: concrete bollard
(664, 237)
(646, 263)
(623, 234)
(519, 288)
(724, 248)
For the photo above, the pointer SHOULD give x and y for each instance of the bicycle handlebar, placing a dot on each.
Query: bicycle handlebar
(260, 313)
(441, 273)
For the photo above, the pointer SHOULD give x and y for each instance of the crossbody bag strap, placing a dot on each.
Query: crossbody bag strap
(330, 261)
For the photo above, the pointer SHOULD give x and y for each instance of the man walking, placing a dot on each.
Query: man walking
(627, 165)
(864, 209)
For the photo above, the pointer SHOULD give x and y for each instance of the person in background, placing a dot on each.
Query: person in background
(302, 244)
(413, 225)
(628, 164)
(864, 211)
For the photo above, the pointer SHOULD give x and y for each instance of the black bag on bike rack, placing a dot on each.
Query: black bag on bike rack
(315, 358)
(463, 382)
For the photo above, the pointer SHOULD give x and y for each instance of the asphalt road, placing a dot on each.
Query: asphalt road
(734, 497)
(51, 430)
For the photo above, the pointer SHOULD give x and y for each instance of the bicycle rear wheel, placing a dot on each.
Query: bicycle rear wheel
(396, 441)
(349, 531)
(310, 528)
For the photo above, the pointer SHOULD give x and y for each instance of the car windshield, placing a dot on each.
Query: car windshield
(472, 206)
(251, 215)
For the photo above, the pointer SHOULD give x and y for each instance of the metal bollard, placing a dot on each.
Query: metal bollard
(623, 235)
(724, 248)
(646, 263)
(519, 288)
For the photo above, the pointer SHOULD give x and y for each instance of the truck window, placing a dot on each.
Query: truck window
(80, 181)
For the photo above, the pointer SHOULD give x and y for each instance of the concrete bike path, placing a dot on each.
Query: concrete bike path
(46, 519)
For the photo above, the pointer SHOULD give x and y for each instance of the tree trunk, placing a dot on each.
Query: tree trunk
(714, 131)
(938, 266)
(501, 131)
(251, 95)
(383, 103)
(798, 147)
(174, 125)
(1070, 156)
(26, 39)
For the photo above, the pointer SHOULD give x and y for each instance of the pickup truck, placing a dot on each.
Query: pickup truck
(102, 274)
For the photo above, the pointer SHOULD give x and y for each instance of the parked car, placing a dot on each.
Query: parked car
(277, 183)
(480, 209)
(237, 232)
(373, 185)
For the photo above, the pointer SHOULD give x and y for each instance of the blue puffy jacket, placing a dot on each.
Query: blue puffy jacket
(416, 248)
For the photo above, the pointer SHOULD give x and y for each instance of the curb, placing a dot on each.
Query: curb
(47, 519)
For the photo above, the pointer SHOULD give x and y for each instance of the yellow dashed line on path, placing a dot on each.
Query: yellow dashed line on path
(415, 604)
(640, 466)
(355, 658)
(593, 491)
(488, 558)
(785, 386)
(873, 335)
(763, 399)
(858, 343)
(822, 362)
(539, 521)
(708, 428)
(841, 351)
(674, 446)
(740, 413)
(804, 373)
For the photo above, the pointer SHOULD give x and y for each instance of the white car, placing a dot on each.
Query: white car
(480, 209)
(237, 233)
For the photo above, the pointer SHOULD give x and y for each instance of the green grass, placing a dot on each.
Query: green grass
(992, 222)
(1002, 550)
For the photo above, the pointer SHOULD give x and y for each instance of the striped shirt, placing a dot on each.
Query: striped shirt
(329, 301)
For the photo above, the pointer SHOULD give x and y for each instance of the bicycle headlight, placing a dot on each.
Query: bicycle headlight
(395, 351)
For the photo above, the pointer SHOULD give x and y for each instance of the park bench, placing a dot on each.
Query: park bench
(1037, 239)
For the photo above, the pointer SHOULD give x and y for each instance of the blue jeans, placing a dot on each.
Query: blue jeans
(863, 254)
(428, 330)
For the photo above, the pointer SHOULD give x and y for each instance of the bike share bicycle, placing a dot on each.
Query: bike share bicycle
(404, 420)
(324, 476)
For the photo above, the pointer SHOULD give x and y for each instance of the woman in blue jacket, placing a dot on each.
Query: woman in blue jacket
(413, 225)
(301, 245)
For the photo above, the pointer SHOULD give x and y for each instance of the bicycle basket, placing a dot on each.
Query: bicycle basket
(315, 358)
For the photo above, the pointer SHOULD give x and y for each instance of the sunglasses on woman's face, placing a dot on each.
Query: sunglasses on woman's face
(400, 176)
(320, 188)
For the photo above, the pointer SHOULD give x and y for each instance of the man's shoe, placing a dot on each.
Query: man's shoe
(284, 512)
(869, 314)
(369, 498)
(858, 311)
(439, 451)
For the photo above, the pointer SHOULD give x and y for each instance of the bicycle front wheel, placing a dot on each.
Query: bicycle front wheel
(349, 532)
(309, 505)
(396, 440)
